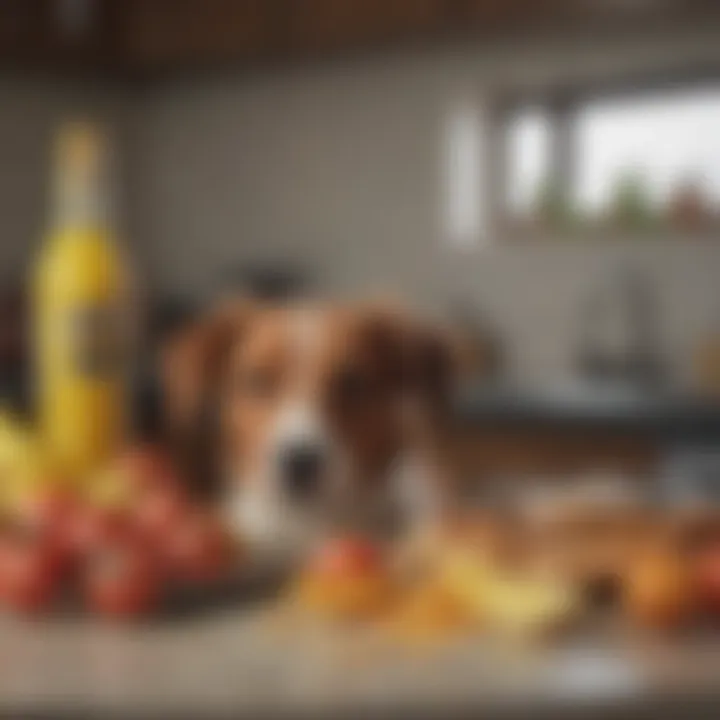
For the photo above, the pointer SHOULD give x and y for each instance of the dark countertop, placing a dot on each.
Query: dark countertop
(663, 415)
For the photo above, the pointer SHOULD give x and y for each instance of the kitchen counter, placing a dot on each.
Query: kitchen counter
(241, 662)
(659, 416)
(576, 428)
(237, 658)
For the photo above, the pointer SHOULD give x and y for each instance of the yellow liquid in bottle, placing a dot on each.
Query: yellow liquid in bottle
(79, 295)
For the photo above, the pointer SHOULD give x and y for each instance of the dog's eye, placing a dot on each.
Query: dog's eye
(351, 385)
(257, 384)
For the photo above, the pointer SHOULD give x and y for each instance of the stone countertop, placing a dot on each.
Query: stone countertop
(245, 660)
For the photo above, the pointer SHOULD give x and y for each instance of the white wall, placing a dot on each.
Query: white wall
(340, 166)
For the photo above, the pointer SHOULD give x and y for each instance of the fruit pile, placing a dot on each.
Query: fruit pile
(350, 578)
(461, 583)
(119, 547)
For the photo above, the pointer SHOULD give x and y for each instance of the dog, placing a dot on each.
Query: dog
(318, 417)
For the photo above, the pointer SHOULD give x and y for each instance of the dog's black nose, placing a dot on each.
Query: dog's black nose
(301, 467)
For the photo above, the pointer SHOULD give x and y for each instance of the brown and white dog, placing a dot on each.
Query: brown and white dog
(324, 416)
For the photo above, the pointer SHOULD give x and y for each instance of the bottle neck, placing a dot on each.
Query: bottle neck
(80, 181)
(80, 203)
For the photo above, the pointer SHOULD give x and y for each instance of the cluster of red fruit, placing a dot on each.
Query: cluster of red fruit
(120, 558)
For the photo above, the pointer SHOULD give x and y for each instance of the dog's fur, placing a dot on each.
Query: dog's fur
(362, 387)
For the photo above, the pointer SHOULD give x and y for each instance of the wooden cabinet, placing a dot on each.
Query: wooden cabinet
(144, 35)
(321, 25)
(157, 33)
(160, 33)
(35, 33)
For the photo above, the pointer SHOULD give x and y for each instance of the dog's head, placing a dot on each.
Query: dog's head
(312, 400)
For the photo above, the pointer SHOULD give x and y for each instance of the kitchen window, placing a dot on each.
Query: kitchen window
(649, 164)
(528, 158)
(667, 141)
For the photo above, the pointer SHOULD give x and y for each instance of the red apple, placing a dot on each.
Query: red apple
(198, 549)
(658, 590)
(48, 516)
(122, 580)
(348, 579)
(29, 572)
(349, 556)
(707, 578)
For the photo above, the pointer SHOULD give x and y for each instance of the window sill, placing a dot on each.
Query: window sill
(609, 236)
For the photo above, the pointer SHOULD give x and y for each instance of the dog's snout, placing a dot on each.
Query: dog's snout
(302, 466)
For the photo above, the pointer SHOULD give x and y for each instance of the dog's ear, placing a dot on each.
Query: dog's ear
(426, 359)
(192, 362)
(435, 361)
(385, 328)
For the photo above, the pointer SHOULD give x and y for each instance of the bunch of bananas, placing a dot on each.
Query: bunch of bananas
(24, 466)
(508, 602)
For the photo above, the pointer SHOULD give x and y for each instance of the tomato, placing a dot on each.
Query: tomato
(348, 557)
(98, 525)
(198, 549)
(159, 512)
(122, 580)
(29, 572)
